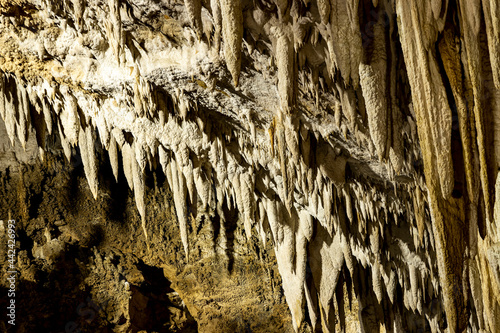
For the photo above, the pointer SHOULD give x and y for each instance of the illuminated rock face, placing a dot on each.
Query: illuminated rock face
(359, 140)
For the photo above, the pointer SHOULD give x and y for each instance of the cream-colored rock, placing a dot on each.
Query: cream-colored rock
(232, 32)
(366, 152)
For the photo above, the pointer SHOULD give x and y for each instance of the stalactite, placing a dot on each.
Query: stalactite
(391, 287)
(179, 189)
(217, 17)
(64, 143)
(286, 68)
(449, 243)
(327, 207)
(23, 116)
(47, 115)
(346, 39)
(115, 30)
(434, 127)
(248, 202)
(232, 31)
(40, 129)
(202, 187)
(128, 155)
(324, 10)
(373, 83)
(78, 10)
(263, 225)
(139, 187)
(292, 139)
(471, 23)
(491, 11)
(272, 218)
(293, 277)
(449, 50)
(193, 8)
(2, 95)
(413, 287)
(70, 119)
(339, 296)
(113, 157)
(330, 261)
(86, 143)
(11, 112)
(311, 306)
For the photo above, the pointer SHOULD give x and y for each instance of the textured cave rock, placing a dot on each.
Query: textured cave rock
(256, 165)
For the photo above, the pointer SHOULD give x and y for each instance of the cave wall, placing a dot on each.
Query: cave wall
(350, 147)
(86, 261)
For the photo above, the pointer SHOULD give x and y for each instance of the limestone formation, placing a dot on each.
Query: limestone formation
(358, 141)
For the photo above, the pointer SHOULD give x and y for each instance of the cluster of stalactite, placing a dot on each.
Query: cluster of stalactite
(359, 137)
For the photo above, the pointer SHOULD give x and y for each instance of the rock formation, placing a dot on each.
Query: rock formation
(355, 143)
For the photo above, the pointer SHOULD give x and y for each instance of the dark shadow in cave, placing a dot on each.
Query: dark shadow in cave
(52, 298)
(230, 225)
(118, 191)
(154, 304)
(73, 193)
